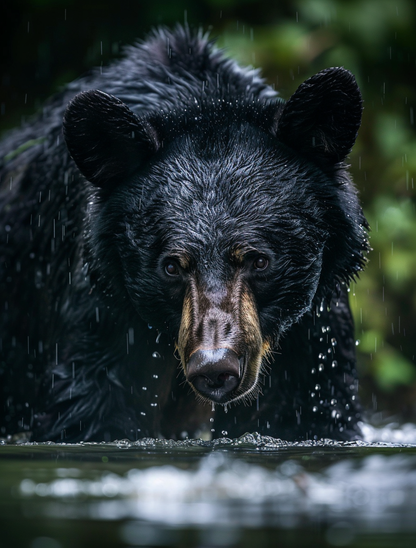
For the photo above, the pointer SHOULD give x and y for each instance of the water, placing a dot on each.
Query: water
(251, 491)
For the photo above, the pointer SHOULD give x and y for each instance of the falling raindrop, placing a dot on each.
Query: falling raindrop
(155, 376)
(321, 367)
(333, 342)
(334, 364)
(317, 386)
(225, 408)
(158, 338)
(224, 432)
(156, 355)
(313, 371)
(314, 409)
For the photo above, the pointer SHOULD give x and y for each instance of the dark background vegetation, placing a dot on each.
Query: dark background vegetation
(46, 43)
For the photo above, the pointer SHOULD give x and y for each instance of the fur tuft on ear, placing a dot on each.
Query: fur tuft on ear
(322, 118)
(105, 138)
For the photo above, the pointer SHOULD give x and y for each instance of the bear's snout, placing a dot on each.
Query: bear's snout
(214, 373)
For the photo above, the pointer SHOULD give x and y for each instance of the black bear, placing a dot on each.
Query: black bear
(176, 260)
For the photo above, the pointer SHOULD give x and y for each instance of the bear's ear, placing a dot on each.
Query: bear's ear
(105, 138)
(322, 118)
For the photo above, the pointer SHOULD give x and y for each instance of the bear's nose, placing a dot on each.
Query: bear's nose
(214, 373)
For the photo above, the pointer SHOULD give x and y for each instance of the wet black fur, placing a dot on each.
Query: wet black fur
(205, 157)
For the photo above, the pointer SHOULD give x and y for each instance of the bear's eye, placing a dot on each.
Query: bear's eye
(260, 263)
(171, 269)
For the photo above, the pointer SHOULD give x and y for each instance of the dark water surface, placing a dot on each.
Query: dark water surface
(249, 492)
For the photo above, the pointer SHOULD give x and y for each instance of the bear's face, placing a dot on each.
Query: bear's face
(222, 230)
(224, 256)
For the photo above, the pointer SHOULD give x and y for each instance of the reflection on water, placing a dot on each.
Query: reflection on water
(244, 492)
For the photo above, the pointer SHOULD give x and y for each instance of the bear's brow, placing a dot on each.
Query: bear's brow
(239, 252)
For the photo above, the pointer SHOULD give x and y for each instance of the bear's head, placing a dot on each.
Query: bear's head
(223, 220)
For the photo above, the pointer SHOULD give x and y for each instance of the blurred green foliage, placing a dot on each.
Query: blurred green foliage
(46, 43)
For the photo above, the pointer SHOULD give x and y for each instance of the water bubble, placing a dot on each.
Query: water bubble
(156, 355)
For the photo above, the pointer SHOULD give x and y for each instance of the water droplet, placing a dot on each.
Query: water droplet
(321, 356)
(333, 342)
(312, 394)
(347, 406)
(317, 386)
(144, 387)
(155, 376)
(357, 342)
(158, 338)
(149, 326)
(321, 367)
(153, 405)
(225, 408)
(211, 419)
(213, 406)
(333, 402)
(314, 409)
(334, 363)
(156, 355)
(313, 371)
(224, 432)
(143, 413)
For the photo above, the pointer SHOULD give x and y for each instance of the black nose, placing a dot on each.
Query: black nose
(214, 373)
